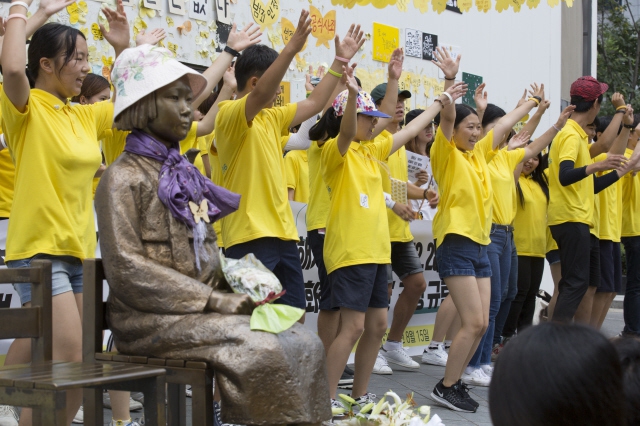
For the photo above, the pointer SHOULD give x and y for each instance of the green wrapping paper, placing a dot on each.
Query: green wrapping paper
(249, 276)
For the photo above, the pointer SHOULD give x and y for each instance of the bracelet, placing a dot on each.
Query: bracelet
(534, 100)
(624, 107)
(231, 51)
(341, 59)
(450, 79)
(449, 97)
(621, 111)
(389, 203)
(554, 126)
(16, 15)
(19, 3)
(439, 101)
(424, 194)
(308, 93)
(628, 126)
(333, 73)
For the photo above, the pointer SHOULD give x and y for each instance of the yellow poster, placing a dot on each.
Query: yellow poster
(322, 27)
(267, 14)
(285, 94)
(385, 39)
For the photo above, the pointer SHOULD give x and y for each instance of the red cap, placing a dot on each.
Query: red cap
(588, 88)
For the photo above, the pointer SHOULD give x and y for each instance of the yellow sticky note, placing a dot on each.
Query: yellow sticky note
(421, 5)
(170, 22)
(483, 5)
(204, 34)
(85, 31)
(285, 94)
(322, 27)
(502, 5)
(385, 39)
(265, 15)
(517, 5)
(533, 3)
(439, 5)
(553, 3)
(465, 5)
(173, 47)
(95, 30)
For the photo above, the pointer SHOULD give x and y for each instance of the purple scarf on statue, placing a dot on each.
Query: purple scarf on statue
(180, 182)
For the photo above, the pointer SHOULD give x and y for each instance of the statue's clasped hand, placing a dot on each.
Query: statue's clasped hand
(230, 303)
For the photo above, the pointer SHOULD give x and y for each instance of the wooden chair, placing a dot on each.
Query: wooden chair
(179, 372)
(43, 384)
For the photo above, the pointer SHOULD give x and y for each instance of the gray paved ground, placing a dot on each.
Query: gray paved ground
(421, 383)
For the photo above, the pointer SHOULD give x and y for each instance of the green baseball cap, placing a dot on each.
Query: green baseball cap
(381, 89)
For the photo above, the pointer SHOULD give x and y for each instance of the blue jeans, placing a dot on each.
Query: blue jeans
(508, 295)
(631, 304)
(499, 252)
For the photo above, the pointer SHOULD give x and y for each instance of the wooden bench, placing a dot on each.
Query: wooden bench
(43, 384)
(179, 372)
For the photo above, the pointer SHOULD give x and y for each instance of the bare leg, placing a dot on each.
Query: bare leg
(351, 329)
(414, 287)
(454, 327)
(583, 314)
(556, 274)
(375, 325)
(67, 346)
(601, 304)
(471, 297)
(328, 323)
(120, 405)
(444, 318)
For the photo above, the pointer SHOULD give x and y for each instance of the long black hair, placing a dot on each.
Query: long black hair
(327, 127)
(539, 177)
(49, 41)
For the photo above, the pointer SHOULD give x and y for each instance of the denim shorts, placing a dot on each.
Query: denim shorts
(359, 287)
(405, 260)
(66, 275)
(460, 256)
(553, 256)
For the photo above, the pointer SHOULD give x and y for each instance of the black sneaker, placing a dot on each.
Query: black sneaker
(452, 398)
(346, 381)
(464, 389)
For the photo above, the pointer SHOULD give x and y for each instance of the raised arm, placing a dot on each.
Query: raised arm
(349, 124)
(606, 139)
(620, 143)
(418, 124)
(46, 9)
(208, 122)
(480, 98)
(535, 147)
(118, 35)
(506, 123)
(449, 67)
(238, 41)
(345, 50)
(390, 100)
(531, 125)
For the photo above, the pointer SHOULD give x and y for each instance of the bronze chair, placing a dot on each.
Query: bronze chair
(44, 383)
(179, 372)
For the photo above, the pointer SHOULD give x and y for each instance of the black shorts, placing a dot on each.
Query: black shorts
(359, 287)
(610, 267)
(405, 260)
(283, 259)
(316, 243)
(553, 256)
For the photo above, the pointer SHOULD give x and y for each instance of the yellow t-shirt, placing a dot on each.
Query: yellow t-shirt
(529, 224)
(297, 168)
(503, 183)
(610, 204)
(193, 141)
(216, 178)
(551, 243)
(113, 142)
(250, 156)
(630, 202)
(572, 203)
(7, 174)
(318, 207)
(56, 153)
(357, 230)
(397, 162)
(465, 189)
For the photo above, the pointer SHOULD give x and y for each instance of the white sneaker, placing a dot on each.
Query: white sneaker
(79, 418)
(487, 370)
(437, 356)
(123, 423)
(8, 416)
(381, 366)
(476, 378)
(399, 357)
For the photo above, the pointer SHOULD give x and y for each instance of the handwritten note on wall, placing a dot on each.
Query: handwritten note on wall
(265, 15)
(413, 43)
(322, 27)
(285, 94)
(385, 39)
(429, 44)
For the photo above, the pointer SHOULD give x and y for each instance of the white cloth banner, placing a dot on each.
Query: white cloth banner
(417, 335)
